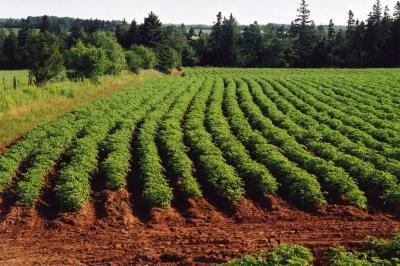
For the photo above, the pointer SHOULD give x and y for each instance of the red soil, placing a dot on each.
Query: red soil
(196, 233)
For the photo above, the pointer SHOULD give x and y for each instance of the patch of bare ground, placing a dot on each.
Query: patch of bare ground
(202, 235)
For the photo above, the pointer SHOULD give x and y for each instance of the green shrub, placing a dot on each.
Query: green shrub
(114, 52)
(283, 255)
(45, 59)
(133, 61)
(149, 58)
(167, 59)
(86, 62)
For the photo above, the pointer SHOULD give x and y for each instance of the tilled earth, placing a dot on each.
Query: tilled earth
(112, 232)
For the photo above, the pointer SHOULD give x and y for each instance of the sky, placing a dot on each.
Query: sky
(191, 11)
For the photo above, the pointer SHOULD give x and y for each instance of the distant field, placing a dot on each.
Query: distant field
(8, 76)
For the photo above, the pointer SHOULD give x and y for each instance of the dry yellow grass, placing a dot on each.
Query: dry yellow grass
(18, 120)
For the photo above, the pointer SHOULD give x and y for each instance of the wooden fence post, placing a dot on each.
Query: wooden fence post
(30, 79)
(15, 83)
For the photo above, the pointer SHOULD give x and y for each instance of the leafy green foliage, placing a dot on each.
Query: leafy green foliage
(148, 57)
(298, 185)
(167, 59)
(257, 176)
(283, 255)
(86, 62)
(298, 133)
(157, 190)
(134, 61)
(172, 144)
(45, 59)
(113, 50)
(222, 176)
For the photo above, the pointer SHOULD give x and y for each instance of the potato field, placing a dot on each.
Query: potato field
(295, 156)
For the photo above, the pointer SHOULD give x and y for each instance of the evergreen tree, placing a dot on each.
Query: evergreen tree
(251, 46)
(358, 56)
(229, 41)
(214, 43)
(23, 34)
(376, 14)
(132, 36)
(191, 34)
(303, 30)
(395, 37)
(45, 25)
(374, 35)
(331, 30)
(386, 28)
(351, 24)
(183, 30)
(10, 50)
(303, 16)
(77, 33)
(396, 13)
(93, 26)
(166, 59)
(3, 58)
(121, 33)
(337, 50)
(150, 31)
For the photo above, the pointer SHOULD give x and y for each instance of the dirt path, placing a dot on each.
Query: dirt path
(201, 234)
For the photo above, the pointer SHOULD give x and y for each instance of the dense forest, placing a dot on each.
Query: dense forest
(64, 47)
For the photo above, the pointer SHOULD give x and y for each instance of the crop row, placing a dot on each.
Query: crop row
(363, 107)
(313, 108)
(315, 131)
(73, 186)
(296, 184)
(385, 135)
(384, 97)
(366, 175)
(257, 177)
(157, 191)
(333, 179)
(218, 173)
(171, 138)
(117, 146)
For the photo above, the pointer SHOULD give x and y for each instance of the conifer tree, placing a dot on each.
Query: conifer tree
(331, 30)
(45, 24)
(303, 31)
(132, 36)
(351, 24)
(150, 31)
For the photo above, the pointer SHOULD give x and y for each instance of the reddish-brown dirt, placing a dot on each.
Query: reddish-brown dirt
(196, 233)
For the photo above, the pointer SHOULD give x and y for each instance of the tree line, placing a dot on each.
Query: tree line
(55, 48)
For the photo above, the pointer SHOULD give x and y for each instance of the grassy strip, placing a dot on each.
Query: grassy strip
(24, 116)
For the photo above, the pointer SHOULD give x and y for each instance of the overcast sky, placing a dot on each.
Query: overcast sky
(190, 11)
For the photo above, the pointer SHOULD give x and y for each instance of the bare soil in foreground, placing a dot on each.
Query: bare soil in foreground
(109, 231)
